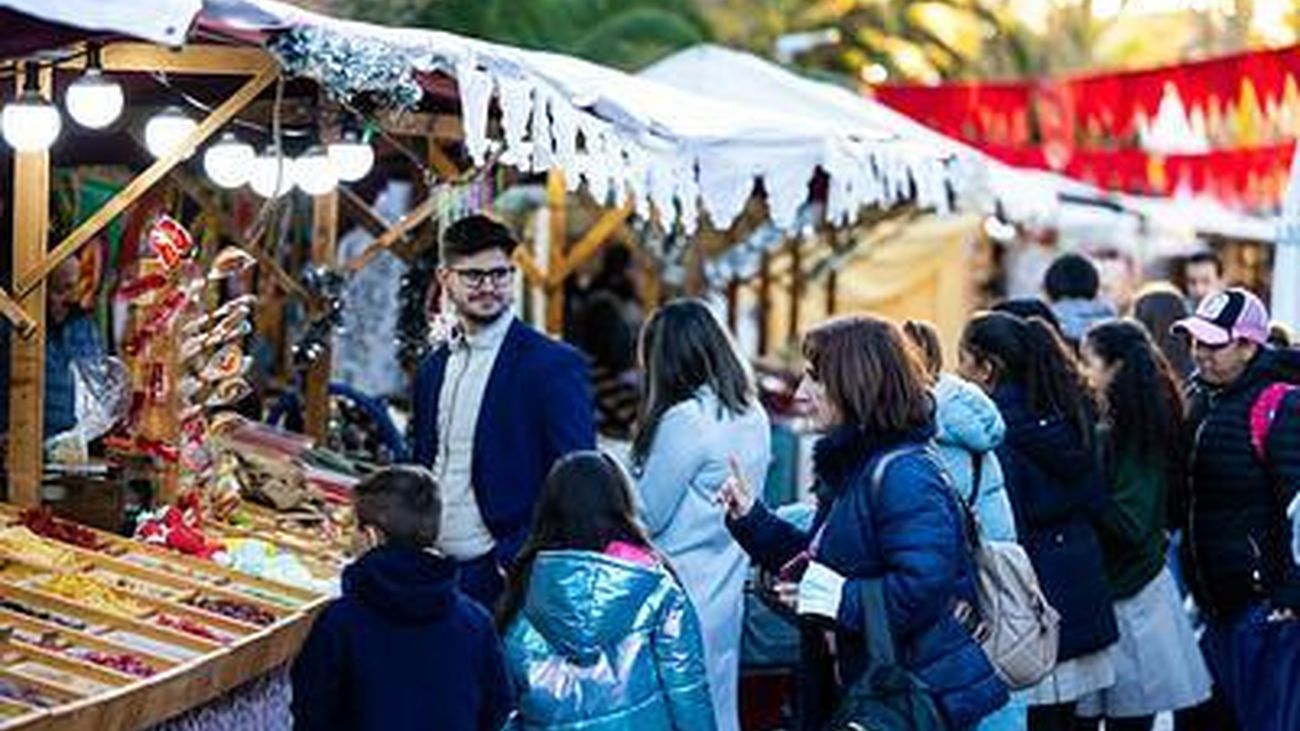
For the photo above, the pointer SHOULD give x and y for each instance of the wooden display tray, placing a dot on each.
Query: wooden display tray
(180, 683)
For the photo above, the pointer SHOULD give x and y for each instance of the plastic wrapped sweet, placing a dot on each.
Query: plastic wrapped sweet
(177, 529)
(20, 543)
(93, 593)
(266, 561)
(170, 241)
(229, 392)
(230, 261)
(227, 363)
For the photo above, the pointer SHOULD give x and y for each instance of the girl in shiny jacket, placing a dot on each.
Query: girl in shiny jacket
(1053, 477)
(598, 632)
(866, 390)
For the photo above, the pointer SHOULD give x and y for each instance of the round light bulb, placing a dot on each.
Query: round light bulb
(271, 174)
(30, 123)
(166, 131)
(94, 100)
(352, 158)
(228, 161)
(315, 173)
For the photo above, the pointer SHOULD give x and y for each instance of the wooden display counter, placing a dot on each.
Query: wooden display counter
(122, 635)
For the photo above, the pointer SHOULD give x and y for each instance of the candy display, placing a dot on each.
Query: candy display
(45, 615)
(177, 529)
(170, 241)
(22, 694)
(20, 544)
(73, 682)
(42, 522)
(230, 261)
(233, 609)
(228, 392)
(120, 661)
(150, 646)
(267, 561)
(190, 627)
(93, 593)
(137, 586)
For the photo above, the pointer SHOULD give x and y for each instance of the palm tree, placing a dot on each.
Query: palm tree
(628, 34)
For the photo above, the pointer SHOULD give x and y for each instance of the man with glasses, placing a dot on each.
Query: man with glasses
(493, 409)
(1244, 471)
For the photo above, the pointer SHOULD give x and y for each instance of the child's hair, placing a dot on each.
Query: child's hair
(926, 339)
(403, 503)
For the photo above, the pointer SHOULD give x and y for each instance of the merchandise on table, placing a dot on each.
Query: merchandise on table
(42, 522)
(134, 585)
(21, 544)
(150, 646)
(93, 593)
(266, 561)
(121, 662)
(233, 609)
(45, 615)
(15, 692)
(191, 627)
(76, 683)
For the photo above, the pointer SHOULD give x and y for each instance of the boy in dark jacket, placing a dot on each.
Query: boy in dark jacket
(402, 648)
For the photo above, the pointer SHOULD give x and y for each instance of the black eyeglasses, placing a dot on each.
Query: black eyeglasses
(475, 278)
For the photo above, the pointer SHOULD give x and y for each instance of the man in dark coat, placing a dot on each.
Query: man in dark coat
(1244, 462)
(493, 408)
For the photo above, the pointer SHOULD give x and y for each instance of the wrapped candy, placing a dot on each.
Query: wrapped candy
(229, 392)
(230, 261)
(170, 241)
(141, 286)
(178, 529)
(227, 363)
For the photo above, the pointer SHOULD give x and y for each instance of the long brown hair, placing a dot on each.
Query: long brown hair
(871, 372)
(586, 504)
(686, 348)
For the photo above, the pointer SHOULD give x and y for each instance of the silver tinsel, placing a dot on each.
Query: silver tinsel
(348, 65)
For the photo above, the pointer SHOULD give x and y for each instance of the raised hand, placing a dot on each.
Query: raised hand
(735, 495)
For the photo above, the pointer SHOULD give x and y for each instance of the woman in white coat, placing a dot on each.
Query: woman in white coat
(699, 413)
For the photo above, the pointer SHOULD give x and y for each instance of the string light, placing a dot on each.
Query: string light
(30, 123)
(352, 157)
(228, 162)
(166, 130)
(94, 101)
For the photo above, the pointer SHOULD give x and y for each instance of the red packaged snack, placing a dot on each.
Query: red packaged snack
(170, 241)
(230, 261)
(141, 286)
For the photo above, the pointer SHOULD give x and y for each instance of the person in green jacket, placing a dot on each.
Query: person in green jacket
(1158, 666)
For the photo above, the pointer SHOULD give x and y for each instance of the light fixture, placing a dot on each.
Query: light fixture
(315, 172)
(228, 162)
(271, 174)
(30, 122)
(94, 100)
(352, 156)
(166, 130)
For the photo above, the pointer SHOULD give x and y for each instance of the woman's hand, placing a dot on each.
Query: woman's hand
(735, 495)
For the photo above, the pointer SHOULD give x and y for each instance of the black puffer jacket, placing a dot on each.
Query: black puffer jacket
(1238, 538)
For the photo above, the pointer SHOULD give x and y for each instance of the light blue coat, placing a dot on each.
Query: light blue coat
(970, 423)
(687, 463)
(603, 644)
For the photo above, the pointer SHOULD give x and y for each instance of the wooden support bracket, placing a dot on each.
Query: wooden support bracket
(266, 74)
(417, 216)
(591, 243)
(21, 321)
(364, 214)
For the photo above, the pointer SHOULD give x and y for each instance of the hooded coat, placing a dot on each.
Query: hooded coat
(604, 643)
(970, 428)
(401, 649)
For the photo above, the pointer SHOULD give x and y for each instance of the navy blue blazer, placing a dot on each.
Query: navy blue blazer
(537, 407)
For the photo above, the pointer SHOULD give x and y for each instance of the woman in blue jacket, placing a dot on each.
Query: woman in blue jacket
(598, 633)
(1054, 481)
(867, 391)
(701, 410)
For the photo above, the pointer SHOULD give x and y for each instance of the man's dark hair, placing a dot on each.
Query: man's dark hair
(475, 234)
(1071, 277)
(1206, 257)
(403, 503)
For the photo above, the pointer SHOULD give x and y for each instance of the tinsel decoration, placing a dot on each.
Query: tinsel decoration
(325, 286)
(349, 65)
(413, 327)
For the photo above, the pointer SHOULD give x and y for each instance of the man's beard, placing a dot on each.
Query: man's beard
(483, 320)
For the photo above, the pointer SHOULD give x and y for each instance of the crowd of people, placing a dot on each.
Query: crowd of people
(517, 577)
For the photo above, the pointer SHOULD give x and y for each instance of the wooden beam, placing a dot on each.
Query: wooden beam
(14, 313)
(32, 275)
(832, 292)
(557, 200)
(443, 127)
(796, 291)
(31, 212)
(195, 58)
(325, 220)
(438, 160)
(525, 261)
(417, 216)
(591, 243)
(353, 205)
(764, 301)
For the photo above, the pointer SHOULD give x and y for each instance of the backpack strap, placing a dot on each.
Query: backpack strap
(1262, 414)
(977, 478)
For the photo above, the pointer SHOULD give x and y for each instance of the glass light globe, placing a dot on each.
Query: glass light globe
(166, 130)
(271, 174)
(94, 100)
(315, 173)
(228, 162)
(30, 123)
(352, 158)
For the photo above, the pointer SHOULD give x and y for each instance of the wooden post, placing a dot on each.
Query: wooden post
(733, 304)
(832, 284)
(796, 292)
(325, 219)
(557, 200)
(31, 211)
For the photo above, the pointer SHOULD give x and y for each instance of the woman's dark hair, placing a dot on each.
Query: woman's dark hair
(1027, 307)
(1143, 406)
(585, 504)
(871, 373)
(403, 503)
(685, 348)
(1071, 276)
(1158, 311)
(472, 235)
(1028, 352)
(926, 339)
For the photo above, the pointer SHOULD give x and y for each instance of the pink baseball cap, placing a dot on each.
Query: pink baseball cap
(1236, 314)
